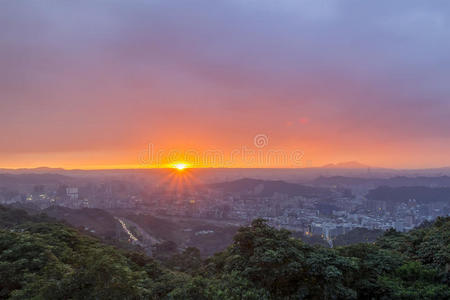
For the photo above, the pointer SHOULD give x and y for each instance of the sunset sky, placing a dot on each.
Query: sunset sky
(91, 84)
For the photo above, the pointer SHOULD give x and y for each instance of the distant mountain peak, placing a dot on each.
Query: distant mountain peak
(38, 170)
(346, 165)
(45, 169)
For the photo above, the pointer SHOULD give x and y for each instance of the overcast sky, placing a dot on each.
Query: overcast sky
(91, 83)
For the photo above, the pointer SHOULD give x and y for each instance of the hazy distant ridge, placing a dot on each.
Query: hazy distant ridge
(269, 187)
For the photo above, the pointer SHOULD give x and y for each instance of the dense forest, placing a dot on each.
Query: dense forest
(43, 259)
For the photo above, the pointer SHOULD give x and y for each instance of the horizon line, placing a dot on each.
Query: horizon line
(221, 168)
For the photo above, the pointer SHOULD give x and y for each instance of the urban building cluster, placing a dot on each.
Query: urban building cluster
(337, 213)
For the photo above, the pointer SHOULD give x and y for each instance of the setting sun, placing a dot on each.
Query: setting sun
(180, 166)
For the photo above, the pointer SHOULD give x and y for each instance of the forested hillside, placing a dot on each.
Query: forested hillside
(44, 259)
